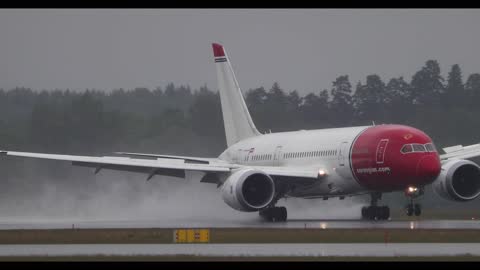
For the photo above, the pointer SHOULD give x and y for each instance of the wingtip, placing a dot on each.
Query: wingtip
(218, 50)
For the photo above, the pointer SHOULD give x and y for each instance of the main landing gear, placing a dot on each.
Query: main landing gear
(413, 208)
(375, 212)
(274, 214)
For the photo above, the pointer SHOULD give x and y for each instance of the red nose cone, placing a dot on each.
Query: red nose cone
(428, 168)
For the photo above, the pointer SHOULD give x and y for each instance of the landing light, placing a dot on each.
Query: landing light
(411, 189)
(322, 173)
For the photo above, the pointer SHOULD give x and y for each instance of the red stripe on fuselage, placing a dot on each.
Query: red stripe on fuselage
(378, 164)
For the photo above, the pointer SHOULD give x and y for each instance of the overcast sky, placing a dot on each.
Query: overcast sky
(301, 49)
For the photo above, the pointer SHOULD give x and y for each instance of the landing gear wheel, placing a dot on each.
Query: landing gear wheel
(417, 209)
(409, 210)
(376, 212)
(371, 212)
(274, 214)
(384, 212)
(266, 214)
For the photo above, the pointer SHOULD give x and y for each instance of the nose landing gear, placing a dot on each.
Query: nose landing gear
(375, 212)
(413, 208)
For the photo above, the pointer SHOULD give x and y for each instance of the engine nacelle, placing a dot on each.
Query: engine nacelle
(248, 190)
(459, 180)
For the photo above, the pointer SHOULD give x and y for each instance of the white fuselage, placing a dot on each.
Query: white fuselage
(323, 149)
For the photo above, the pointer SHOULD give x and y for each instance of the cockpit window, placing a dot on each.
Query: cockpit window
(430, 147)
(418, 148)
(407, 148)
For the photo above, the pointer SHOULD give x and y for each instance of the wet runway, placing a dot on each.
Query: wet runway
(8, 224)
(381, 250)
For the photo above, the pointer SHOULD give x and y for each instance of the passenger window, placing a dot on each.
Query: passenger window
(407, 148)
(418, 148)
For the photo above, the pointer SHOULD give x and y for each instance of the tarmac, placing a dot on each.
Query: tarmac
(246, 250)
(8, 224)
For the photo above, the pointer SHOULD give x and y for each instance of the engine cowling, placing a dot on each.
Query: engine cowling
(459, 180)
(248, 190)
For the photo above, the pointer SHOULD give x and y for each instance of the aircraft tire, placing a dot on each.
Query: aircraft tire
(417, 209)
(409, 210)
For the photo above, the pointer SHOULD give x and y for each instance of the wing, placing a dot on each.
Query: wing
(175, 167)
(461, 152)
(188, 159)
(168, 167)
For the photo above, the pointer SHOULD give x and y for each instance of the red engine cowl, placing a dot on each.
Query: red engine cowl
(459, 180)
(248, 190)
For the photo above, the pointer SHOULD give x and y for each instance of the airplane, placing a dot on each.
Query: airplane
(257, 170)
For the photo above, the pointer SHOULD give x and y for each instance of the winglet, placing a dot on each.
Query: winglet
(218, 50)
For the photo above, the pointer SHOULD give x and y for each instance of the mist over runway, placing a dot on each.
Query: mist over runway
(130, 202)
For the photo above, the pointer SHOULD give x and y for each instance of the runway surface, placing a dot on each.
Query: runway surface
(8, 224)
(382, 250)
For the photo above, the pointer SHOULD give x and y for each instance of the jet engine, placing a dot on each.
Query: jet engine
(248, 190)
(459, 180)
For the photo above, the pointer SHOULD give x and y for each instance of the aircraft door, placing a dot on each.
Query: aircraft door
(343, 154)
(277, 155)
(237, 158)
